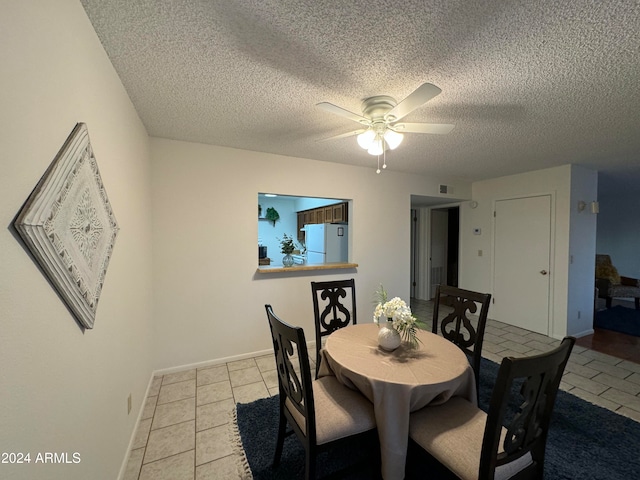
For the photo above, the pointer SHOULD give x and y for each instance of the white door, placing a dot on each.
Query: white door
(439, 234)
(522, 248)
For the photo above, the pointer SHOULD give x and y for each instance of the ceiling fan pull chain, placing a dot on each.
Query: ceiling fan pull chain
(384, 153)
(378, 170)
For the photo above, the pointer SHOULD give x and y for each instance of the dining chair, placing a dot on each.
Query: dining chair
(322, 413)
(334, 307)
(456, 325)
(474, 444)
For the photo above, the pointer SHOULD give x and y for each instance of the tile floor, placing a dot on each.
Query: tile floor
(187, 429)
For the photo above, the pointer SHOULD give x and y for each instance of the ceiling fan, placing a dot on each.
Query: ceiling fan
(380, 120)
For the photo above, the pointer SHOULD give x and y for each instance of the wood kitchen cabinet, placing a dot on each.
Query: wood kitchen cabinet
(339, 212)
(329, 214)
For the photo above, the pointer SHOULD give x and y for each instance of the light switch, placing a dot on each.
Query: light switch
(479, 253)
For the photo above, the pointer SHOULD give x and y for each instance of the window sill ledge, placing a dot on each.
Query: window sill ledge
(306, 267)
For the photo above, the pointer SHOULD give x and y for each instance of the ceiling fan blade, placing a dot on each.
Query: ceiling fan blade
(331, 108)
(343, 135)
(418, 97)
(435, 128)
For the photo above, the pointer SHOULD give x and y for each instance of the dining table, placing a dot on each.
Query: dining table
(397, 382)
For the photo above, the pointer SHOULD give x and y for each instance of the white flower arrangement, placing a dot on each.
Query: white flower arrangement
(399, 314)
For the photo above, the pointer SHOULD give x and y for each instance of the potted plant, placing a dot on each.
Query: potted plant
(272, 215)
(287, 246)
(401, 324)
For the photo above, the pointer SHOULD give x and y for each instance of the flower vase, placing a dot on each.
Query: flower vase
(287, 260)
(388, 337)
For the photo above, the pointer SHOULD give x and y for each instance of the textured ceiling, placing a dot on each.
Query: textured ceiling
(528, 84)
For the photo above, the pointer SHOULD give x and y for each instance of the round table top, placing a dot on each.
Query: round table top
(435, 361)
(398, 382)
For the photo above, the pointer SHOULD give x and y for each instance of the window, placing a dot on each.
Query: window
(291, 214)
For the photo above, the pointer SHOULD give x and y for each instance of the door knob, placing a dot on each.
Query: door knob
(543, 272)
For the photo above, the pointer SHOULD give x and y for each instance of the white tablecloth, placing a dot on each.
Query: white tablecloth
(397, 383)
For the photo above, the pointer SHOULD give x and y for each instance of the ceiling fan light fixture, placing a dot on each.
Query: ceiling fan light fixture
(377, 146)
(366, 138)
(380, 117)
(392, 138)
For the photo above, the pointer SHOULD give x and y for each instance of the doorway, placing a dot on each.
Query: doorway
(435, 241)
(444, 239)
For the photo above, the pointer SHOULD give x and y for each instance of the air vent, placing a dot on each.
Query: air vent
(443, 188)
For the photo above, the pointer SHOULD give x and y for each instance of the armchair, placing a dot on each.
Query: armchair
(612, 285)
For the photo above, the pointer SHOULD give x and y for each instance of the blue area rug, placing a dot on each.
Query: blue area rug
(619, 319)
(585, 442)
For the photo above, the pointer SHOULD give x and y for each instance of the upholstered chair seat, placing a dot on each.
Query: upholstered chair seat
(445, 428)
(340, 411)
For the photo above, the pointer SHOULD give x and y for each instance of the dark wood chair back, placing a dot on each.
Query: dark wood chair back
(532, 383)
(457, 327)
(334, 307)
(339, 415)
(290, 349)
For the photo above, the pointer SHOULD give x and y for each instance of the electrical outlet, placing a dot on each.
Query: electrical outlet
(129, 404)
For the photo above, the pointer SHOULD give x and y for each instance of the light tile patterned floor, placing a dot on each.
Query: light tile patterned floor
(186, 428)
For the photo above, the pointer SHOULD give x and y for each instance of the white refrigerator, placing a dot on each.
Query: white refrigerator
(326, 242)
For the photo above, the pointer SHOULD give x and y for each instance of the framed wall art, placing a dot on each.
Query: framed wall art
(69, 227)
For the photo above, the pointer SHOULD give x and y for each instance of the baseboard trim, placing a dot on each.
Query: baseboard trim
(210, 363)
(584, 333)
(311, 346)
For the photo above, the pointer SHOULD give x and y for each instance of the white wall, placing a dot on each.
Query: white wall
(476, 271)
(62, 389)
(619, 224)
(209, 299)
(582, 251)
